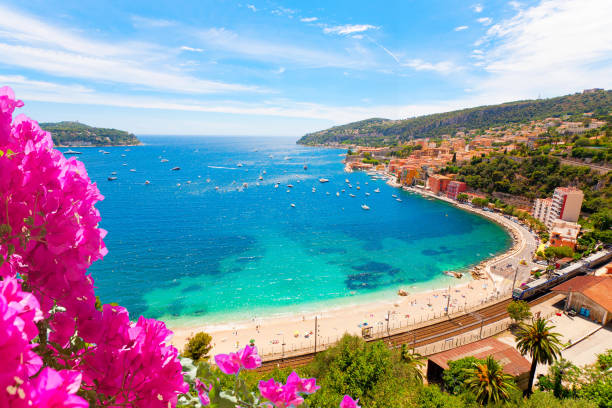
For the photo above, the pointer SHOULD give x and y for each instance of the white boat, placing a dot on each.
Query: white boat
(365, 207)
(245, 185)
(112, 178)
(298, 181)
(352, 195)
(288, 191)
(123, 155)
(293, 205)
(346, 180)
(113, 173)
(327, 193)
(276, 185)
(70, 151)
(287, 158)
(314, 190)
(337, 194)
(216, 187)
(188, 181)
(164, 160)
(239, 165)
(393, 195)
(208, 180)
(132, 170)
(377, 190)
(147, 182)
(398, 199)
(367, 194)
(261, 177)
(343, 190)
(264, 172)
(323, 180)
(305, 167)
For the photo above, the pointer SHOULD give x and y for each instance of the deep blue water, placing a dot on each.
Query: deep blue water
(181, 249)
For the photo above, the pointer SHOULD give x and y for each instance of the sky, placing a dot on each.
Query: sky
(285, 68)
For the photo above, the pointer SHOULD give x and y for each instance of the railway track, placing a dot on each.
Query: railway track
(433, 333)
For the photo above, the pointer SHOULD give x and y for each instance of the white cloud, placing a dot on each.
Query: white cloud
(357, 36)
(553, 48)
(308, 19)
(186, 48)
(29, 43)
(443, 67)
(477, 8)
(146, 22)
(349, 29)
(486, 21)
(252, 7)
(280, 70)
(283, 11)
(515, 4)
(461, 28)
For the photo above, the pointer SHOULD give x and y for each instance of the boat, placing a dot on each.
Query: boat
(132, 170)
(365, 207)
(293, 205)
(70, 151)
(337, 194)
(314, 190)
(245, 185)
(377, 190)
(208, 180)
(290, 185)
(122, 155)
(350, 186)
(343, 190)
(305, 167)
(216, 187)
(287, 158)
(398, 199)
(126, 150)
(113, 173)
(346, 180)
(111, 178)
(298, 181)
(264, 172)
(261, 177)
(188, 181)
(147, 182)
(352, 195)
(367, 194)
(105, 152)
(276, 185)
(358, 188)
(239, 165)
(124, 164)
(323, 180)
(164, 160)
(176, 168)
(393, 195)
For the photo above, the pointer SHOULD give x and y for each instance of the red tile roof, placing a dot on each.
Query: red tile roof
(596, 288)
(512, 361)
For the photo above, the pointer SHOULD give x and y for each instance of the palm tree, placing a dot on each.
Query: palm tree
(414, 363)
(537, 340)
(488, 382)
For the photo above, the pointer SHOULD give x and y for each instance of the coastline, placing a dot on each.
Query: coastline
(295, 330)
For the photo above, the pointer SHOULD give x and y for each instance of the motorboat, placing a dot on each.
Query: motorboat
(276, 185)
(112, 178)
(323, 180)
(239, 165)
(260, 177)
(147, 182)
(132, 170)
(290, 185)
(352, 195)
(377, 190)
(293, 205)
(70, 151)
(367, 194)
(365, 207)
(337, 194)
(305, 167)
(175, 168)
(398, 199)
(164, 160)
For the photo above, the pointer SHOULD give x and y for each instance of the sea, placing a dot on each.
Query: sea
(226, 237)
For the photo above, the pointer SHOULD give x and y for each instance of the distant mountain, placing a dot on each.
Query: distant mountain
(79, 134)
(390, 132)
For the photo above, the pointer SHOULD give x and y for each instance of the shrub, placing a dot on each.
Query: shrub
(198, 347)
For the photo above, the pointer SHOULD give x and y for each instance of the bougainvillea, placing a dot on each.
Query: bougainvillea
(49, 236)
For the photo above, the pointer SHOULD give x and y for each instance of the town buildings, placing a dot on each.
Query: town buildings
(565, 205)
(564, 233)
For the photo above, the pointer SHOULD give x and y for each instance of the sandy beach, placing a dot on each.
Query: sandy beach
(287, 334)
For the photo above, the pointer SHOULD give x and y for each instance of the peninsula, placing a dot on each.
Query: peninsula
(78, 134)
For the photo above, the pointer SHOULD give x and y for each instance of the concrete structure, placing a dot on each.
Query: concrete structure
(512, 361)
(567, 202)
(564, 233)
(541, 209)
(438, 183)
(408, 174)
(454, 188)
(565, 205)
(590, 296)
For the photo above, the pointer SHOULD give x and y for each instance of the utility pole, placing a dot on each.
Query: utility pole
(448, 300)
(388, 318)
(316, 332)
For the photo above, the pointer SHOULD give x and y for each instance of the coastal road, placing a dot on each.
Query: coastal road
(422, 336)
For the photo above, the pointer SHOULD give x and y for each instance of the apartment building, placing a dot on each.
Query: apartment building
(565, 205)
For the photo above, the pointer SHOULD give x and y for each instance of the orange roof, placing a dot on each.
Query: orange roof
(596, 288)
(511, 360)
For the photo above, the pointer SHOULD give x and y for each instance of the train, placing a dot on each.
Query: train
(542, 285)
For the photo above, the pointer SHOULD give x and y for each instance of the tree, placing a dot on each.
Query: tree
(454, 158)
(488, 382)
(518, 310)
(462, 197)
(455, 376)
(198, 347)
(552, 253)
(537, 340)
(413, 364)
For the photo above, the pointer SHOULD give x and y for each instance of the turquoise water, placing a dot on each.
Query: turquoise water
(184, 251)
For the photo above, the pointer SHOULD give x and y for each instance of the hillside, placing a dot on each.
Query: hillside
(78, 134)
(390, 132)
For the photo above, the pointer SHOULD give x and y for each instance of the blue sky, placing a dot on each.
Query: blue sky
(287, 68)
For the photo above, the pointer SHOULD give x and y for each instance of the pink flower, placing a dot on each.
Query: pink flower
(232, 363)
(348, 402)
(53, 389)
(282, 396)
(203, 390)
(305, 385)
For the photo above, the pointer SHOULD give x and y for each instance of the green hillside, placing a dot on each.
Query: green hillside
(389, 132)
(78, 134)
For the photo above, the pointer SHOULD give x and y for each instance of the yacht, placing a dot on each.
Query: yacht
(293, 205)
(365, 207)
(323, 180)
(70, 151)
(346, 180)
(367, 194)
(398, 199)
(111, 178)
